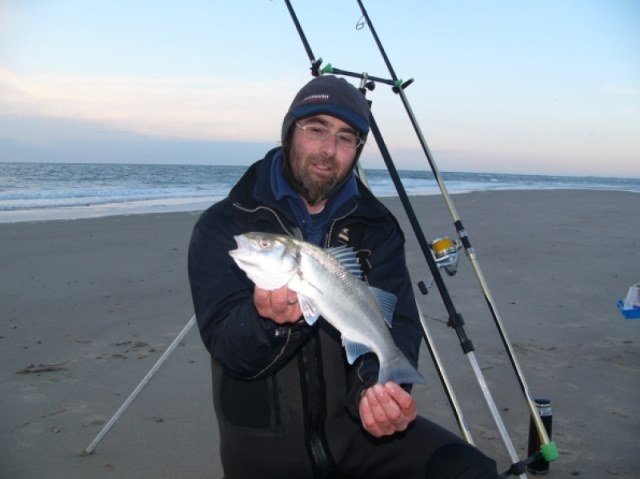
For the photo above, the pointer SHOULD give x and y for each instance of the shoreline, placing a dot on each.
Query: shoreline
(130, 208)
(99, 299)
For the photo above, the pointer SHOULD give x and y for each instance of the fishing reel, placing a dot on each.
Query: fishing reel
(445, 252)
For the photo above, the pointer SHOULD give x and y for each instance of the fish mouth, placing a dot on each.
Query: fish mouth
(241, 258)
(243, 245)
(236, 254)
(240, 261)
(242, 241)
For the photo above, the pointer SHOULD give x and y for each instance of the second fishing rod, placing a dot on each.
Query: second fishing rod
(548, 448)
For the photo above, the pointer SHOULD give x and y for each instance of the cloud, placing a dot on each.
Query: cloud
(198, 108)
(620, 90)
(38, 139)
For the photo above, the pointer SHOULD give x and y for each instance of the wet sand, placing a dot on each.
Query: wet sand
(88, 306)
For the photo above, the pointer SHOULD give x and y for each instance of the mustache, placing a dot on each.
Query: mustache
(323, 160)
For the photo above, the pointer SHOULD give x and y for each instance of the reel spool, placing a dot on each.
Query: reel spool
(445, 252)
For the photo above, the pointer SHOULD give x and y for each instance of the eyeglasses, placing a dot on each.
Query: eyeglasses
(319, 132)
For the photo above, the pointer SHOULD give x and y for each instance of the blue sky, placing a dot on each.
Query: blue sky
(549, 87)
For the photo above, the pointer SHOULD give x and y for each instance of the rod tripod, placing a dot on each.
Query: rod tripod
(548, 448)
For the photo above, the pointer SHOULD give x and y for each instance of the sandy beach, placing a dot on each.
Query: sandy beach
(88, 306)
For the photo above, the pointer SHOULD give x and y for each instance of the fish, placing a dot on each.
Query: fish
(328, 284)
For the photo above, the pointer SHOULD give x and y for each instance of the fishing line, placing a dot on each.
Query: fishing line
(548, 448)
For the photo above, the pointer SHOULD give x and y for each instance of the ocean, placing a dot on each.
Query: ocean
(43, 191)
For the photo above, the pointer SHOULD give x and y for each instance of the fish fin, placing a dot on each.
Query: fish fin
(309, 311)
(348, 258)
(387, 303)
(354, 350)
(400, 370)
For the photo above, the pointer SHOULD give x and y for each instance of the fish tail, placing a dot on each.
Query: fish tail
(400, 370)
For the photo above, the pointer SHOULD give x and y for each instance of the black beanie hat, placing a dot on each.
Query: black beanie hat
(329, 95)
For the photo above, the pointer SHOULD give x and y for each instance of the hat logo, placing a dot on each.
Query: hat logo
(317, 98)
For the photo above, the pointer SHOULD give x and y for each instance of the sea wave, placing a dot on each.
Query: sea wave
(31, 191)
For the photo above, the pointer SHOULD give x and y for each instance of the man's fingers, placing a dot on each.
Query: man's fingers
(402, 398)
(280, 305)
(279, 298)
(261, 295)
(390, 407)
(261, 298)
(379, 409)
(386, 409)
(368, 419)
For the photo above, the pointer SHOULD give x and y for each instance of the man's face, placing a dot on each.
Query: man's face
(318, 166)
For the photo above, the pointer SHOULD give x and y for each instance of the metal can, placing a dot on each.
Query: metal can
(540, 466)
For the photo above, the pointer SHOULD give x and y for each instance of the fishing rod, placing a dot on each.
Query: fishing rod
(455, 319)
(548, 448)
(463, 425)
(446, 384)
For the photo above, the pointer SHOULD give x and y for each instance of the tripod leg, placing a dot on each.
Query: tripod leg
(125, 405)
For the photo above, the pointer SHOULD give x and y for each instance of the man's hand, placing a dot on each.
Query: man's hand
(280, 305)
(385, 410)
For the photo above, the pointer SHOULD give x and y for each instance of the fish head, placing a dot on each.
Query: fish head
(269, 260)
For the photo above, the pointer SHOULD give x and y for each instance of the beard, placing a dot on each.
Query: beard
(312, 187)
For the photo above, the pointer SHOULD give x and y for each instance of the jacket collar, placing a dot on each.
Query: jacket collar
(258, 175)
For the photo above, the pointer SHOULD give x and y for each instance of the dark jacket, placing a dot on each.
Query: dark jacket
(285, 382)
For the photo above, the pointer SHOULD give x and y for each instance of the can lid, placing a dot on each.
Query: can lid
(542, 401)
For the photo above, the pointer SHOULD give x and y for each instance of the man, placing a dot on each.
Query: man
(288, 403)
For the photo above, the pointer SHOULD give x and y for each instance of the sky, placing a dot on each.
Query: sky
(533, 87)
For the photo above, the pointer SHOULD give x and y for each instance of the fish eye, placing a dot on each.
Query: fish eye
(265, 243)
